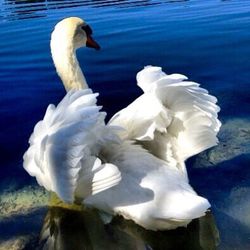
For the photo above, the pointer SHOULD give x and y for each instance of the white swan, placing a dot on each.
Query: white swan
(134, 166)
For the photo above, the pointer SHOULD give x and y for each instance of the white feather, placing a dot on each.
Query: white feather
(63, 144)
(172, 106)
(152, 193)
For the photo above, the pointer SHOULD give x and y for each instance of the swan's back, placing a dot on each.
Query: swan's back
(152, 193)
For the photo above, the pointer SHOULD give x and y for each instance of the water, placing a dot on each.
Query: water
(206, 40)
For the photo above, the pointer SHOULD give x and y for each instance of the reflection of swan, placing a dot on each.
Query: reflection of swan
(134, 166)
(69, 229)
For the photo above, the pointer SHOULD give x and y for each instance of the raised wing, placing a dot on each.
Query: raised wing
(63, 152)
(142, 118)
(174, 118)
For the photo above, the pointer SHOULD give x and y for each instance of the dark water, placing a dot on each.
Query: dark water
(209, 41)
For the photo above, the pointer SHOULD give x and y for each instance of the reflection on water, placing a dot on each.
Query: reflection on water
(25, 9)
(70, 229)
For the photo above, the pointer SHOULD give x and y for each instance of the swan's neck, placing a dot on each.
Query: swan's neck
(67, 66)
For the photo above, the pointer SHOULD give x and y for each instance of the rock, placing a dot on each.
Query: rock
(239, 205)
(234, 140)
(22, 201)
(17, 243)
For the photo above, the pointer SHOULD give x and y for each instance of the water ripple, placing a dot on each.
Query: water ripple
(14, 9)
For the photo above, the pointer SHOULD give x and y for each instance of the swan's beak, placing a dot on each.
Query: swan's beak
(91, 43)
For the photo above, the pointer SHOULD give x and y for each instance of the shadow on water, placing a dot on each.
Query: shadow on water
(68, 229)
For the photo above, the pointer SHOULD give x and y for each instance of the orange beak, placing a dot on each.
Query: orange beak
(91, 43)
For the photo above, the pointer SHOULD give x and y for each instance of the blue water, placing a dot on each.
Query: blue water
(209, 41)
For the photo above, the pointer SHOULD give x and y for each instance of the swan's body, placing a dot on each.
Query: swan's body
(134, 166)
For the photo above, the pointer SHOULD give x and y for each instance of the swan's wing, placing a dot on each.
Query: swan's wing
(64, 146)
(195, 123)
(142, 118)
(174, 118)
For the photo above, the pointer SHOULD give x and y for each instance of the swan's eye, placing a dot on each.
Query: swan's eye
(87, 29)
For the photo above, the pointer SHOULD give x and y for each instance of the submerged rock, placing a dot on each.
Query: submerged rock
(239, 205)
(21, 215)
(234, 140)
(22, 201)
(15, 243)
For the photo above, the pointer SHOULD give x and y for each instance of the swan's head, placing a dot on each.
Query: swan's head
(75, 32)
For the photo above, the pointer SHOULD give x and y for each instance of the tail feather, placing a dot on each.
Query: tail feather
(183, 206)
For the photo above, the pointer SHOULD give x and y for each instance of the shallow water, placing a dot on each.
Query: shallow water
(206, 40)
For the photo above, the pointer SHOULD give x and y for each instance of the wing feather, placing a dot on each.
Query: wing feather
(63, 145)
(173, 112)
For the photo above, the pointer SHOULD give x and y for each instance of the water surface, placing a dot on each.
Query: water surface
(206, 40)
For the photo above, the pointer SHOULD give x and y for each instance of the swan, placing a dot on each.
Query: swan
(134, 165)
